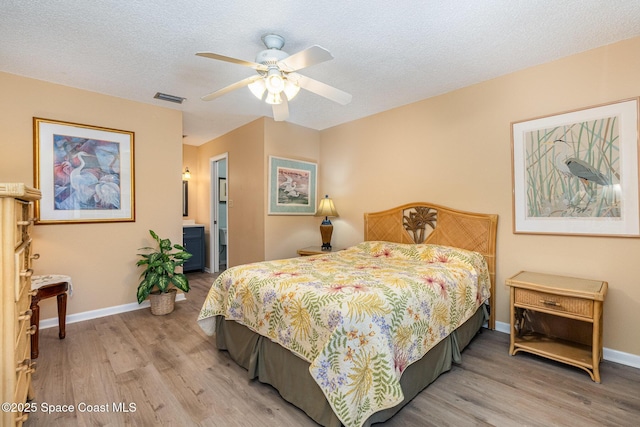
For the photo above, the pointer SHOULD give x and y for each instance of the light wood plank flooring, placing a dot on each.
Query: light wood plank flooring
(174, 376)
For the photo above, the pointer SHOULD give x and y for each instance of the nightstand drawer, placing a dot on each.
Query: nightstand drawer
(558, 303)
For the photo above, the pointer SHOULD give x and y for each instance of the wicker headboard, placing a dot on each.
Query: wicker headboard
(428, 223)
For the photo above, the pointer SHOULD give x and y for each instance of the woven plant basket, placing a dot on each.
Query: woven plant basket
(162, 302)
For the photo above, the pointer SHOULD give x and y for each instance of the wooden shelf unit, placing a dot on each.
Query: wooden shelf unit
(559, 318)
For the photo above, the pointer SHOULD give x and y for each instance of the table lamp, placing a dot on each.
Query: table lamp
(326, 208)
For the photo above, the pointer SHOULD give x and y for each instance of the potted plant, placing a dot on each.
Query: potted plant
(160, 280)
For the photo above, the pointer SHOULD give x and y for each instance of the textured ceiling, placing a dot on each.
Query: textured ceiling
(386, 54)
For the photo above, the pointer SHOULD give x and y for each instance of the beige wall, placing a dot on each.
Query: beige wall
(254, 235)
(190, 160)
(245, 173)
(454, 150)
(99, 257)
(284, 234)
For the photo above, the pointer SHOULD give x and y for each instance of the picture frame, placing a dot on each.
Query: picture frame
(222, 190)
(576, 173)
(292, 187)
(85, 173)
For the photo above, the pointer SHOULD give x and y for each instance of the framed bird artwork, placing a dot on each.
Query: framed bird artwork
(576, 173)
(292, 187)
(85, 173)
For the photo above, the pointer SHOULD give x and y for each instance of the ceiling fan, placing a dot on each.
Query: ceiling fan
(277, 81)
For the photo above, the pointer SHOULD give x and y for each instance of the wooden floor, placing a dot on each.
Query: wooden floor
(171, 374)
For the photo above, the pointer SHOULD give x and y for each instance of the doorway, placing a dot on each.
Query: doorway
(218, 225)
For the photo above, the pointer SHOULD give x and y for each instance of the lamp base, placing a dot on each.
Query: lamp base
(326, 230)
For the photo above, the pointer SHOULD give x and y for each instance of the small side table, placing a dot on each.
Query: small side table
(316, 250)
(559, 318)
(52, 285)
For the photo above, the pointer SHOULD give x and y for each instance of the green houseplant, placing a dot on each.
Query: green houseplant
(160, 274)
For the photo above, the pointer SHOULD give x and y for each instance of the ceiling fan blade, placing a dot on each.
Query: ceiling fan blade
(249, 64)
(236, 85)
(281, 111)
(322, 89)
(305, 58)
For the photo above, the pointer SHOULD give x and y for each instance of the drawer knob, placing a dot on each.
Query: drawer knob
(26, 222)
(26, 315)
(32, 368)
(23, 366)
(550, 303)
(27, 273)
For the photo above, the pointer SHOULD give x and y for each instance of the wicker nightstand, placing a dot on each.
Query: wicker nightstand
(316, 250)
(559, 318)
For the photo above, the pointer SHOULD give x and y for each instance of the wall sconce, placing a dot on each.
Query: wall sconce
(186, 175)
(326, 208)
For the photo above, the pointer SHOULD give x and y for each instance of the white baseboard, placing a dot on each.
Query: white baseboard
(616, 356)
(102, 312)
(622, 358)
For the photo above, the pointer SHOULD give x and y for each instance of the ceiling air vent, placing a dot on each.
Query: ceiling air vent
(170, 98)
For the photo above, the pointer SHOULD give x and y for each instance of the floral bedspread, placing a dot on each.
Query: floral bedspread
(358, 316)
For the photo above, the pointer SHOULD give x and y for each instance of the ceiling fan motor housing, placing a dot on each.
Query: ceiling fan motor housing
(271, 56)
(273, 41)
(273, 53)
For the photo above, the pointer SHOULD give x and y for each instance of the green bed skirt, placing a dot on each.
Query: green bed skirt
(272, 364)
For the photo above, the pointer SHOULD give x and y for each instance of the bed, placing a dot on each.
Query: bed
(352, 336)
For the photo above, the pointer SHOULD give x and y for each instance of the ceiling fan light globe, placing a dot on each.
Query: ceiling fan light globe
(274, 81)
(257, 88)
(291, 89)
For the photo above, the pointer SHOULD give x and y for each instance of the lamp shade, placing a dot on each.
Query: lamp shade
(290, 89)
(257, 88)
(326, 208)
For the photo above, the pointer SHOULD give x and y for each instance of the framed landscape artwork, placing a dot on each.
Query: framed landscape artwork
(85, 173)
(292, 187)
(576, 173)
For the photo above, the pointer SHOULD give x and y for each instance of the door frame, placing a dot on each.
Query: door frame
(214, 233)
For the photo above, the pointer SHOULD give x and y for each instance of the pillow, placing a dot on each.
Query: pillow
(427, 253)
